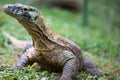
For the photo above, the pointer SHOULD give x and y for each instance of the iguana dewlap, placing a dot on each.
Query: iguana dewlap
(50, 50)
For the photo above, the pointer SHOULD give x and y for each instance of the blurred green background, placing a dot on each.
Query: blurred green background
(100, 37)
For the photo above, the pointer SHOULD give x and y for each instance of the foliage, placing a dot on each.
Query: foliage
(107, 10)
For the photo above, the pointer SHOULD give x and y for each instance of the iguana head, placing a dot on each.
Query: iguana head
(21, 12)
(30, 17)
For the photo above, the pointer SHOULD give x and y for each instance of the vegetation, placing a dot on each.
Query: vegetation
(99, 41)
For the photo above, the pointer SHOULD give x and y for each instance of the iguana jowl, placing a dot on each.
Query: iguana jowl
(50, 50)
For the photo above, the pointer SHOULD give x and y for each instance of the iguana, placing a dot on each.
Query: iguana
(50, 50)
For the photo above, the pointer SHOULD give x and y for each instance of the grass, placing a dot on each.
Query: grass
(99, 40)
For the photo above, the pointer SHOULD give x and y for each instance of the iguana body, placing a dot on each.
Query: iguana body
(50, 50)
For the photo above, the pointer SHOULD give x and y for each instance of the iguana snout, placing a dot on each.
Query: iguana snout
(20, 11)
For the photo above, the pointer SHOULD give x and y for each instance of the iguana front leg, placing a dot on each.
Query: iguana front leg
(70, 69)
(25, 59)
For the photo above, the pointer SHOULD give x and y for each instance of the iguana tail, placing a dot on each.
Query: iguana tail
(15, 42)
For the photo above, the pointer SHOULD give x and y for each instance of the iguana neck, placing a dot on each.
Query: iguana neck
(42, 35)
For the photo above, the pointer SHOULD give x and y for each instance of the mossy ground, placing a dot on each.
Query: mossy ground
(100, 42)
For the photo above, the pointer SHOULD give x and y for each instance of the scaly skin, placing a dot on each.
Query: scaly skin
(50, 50)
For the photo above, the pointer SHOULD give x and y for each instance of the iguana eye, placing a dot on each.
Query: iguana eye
(25, 9)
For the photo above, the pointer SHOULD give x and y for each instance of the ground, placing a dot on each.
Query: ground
(99, 42)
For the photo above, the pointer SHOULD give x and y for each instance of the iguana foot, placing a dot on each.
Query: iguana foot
(95, 72)
(90, 68)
